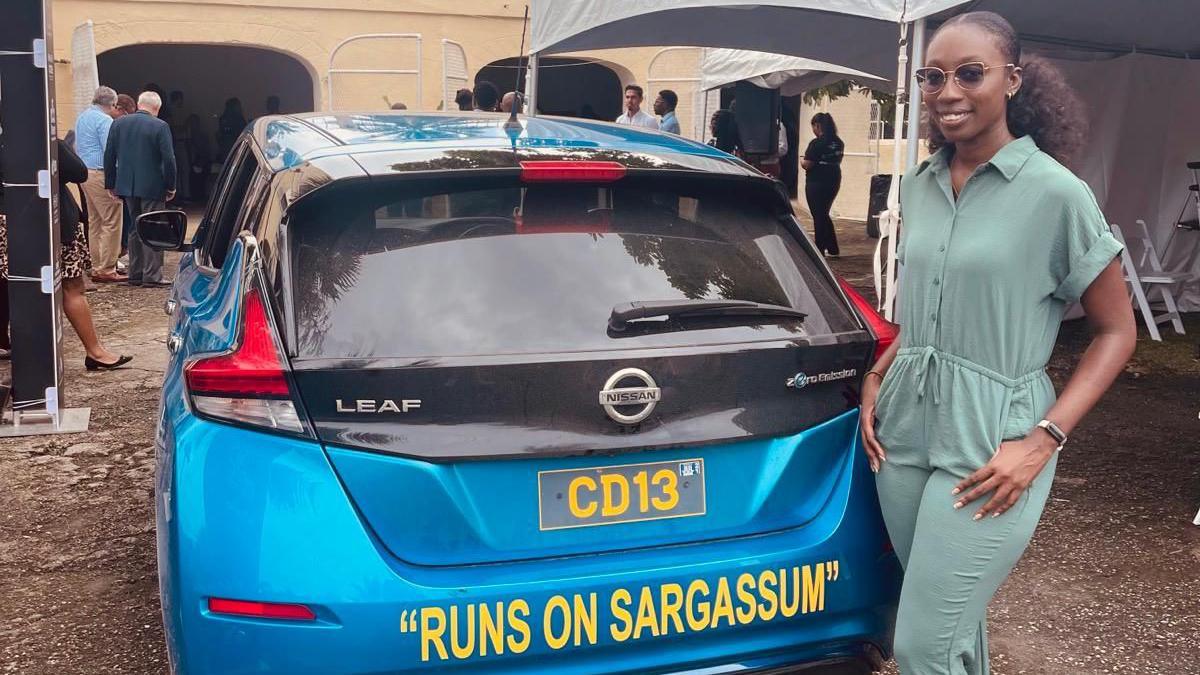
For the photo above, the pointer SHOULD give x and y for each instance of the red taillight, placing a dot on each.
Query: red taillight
(885, 331)
(261, 610)
(249, 384)
(253, 369)
(541, 171)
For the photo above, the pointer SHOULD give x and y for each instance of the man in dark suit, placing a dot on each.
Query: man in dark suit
(139, 167)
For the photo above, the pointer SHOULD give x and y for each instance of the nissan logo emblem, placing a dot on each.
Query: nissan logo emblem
(643, 397)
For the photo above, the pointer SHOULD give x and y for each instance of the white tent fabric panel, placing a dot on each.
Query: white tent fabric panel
(812, 28)
(1143, 131)
(792, 75)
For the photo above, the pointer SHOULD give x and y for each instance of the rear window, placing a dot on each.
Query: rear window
(429, 269)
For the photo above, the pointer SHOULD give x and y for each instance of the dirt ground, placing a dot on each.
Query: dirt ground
(1111, 582)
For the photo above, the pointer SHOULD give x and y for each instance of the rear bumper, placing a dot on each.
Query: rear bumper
(251, 516)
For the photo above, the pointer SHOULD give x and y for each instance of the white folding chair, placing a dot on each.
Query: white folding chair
(1148, 276)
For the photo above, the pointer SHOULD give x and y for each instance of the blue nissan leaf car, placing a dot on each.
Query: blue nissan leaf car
(458, 393)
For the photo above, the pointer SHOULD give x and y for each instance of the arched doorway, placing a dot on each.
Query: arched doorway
(208, 75)
(566, 86)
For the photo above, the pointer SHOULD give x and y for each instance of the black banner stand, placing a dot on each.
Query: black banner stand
(28, 130)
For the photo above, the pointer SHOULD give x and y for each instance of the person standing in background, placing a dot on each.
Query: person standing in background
(463, 98)
(723, 127)
(200, 156)
(125, 105)
(229, 126)
(180, 142)
(103, 209)
(512, 98)
(634, 115)
(823, 164)
(75, 261)
(486, 96)
(139, 166)
(664, 107)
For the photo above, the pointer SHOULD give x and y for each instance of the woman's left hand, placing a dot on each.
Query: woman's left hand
(1007, 476)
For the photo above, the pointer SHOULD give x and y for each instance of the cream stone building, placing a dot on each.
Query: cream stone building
(338, 55)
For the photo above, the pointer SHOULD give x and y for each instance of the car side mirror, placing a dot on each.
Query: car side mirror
(164, 230)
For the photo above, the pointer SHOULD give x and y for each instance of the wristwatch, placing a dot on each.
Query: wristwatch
(1052, 429)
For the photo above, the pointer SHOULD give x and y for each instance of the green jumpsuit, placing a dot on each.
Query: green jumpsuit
(984, 282)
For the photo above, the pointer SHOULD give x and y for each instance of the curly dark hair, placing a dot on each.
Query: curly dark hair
(1045, 107)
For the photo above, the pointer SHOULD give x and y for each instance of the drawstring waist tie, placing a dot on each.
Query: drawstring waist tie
(929, 358)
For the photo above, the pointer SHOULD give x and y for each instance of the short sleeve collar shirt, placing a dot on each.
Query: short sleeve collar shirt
(641, 119)
(984, 283)
(91, 136)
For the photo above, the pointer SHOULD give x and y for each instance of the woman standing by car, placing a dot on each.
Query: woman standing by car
(823, 164)
(959, 417)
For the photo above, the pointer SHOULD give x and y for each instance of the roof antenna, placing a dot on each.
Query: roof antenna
(512, 126)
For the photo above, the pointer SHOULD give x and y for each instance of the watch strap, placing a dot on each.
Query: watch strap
(1055, 432)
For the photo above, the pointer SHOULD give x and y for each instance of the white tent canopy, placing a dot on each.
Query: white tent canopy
(792, 75)
(858, 34)
(1143, 106)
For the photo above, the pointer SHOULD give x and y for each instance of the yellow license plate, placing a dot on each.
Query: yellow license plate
(626, 493)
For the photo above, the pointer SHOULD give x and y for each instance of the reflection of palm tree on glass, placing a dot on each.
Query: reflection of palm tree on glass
(329, 266)
(707, 270)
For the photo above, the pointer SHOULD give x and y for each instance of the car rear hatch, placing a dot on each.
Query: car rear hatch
(499, 362)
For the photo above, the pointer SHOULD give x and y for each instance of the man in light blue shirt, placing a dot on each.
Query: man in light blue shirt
(104, 209)
(664, 106)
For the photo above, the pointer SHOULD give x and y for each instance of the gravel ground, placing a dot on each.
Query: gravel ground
(1111, 582)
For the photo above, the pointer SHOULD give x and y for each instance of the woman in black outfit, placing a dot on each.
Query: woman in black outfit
(75, 260)
(724, 132)
(823, 162)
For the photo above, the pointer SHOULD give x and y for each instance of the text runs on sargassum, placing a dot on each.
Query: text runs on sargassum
(476, 630)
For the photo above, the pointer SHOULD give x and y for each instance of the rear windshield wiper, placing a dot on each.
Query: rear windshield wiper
(626, 312)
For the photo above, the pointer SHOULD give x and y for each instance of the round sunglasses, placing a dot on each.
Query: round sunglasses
(967, 76)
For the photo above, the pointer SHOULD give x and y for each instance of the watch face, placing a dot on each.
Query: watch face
(1052, 429)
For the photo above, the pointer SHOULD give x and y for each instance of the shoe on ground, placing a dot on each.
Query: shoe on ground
(134, 282)
(109, 277)
(162, 283)
(93, 364)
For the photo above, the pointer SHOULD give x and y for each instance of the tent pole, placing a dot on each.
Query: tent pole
(532, 87)
(889, 220)
(914, 107)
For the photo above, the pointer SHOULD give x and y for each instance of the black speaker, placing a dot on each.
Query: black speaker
(757, 115)
(877, 204)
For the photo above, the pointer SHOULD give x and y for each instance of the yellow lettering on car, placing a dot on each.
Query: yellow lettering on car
(585, 619)
(612, 505)
(766, 580)
(518, 612)
(745, 613)
(556, 605)
(672, 602)
(491, 629)
(723, 605)
(621, 616)
(643, 491)
(647, 617)
(482, 629)
(670, 488)
(573, 501)
(789, 607)
(433, 627)
(814, 588)
(467, 648)
(697, 612)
